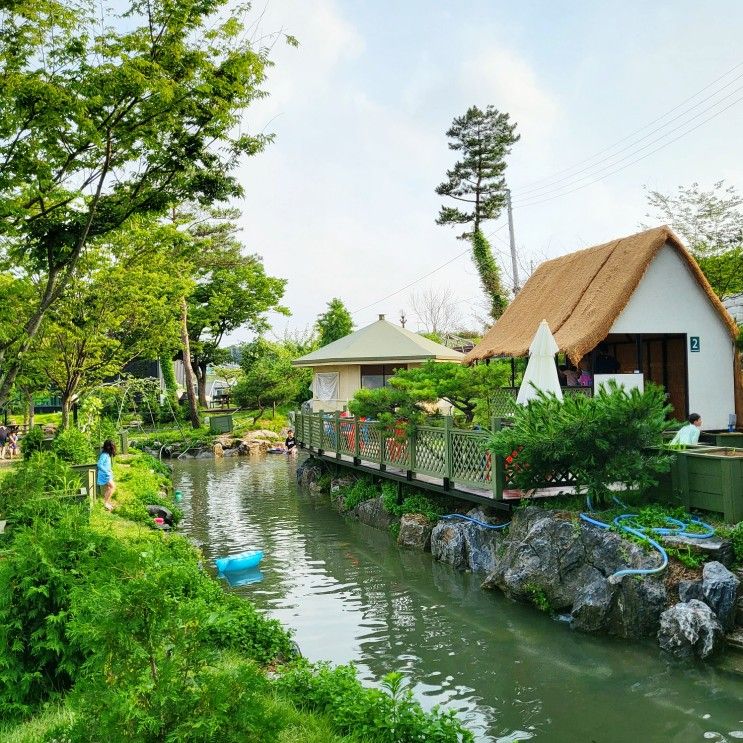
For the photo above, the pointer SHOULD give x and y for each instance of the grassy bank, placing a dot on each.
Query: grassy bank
(111, 631)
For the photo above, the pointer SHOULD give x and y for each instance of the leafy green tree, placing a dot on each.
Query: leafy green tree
(110, 316)
(269, 377)
(600, 440)
(388, 405)
(98, 126)
(465, 388)
(334, 323)
(711, 224)
(477, 183)
(231, 290)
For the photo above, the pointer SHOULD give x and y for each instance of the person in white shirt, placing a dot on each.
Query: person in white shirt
(689, 434)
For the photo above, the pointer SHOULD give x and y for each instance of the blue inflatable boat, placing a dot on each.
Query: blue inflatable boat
(243, 561)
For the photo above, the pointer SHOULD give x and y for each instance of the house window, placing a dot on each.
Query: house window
(374, 376)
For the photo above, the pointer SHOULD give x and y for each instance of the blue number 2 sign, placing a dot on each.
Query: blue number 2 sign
(694, 345)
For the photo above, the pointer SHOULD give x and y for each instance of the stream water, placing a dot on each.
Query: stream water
(511, 673)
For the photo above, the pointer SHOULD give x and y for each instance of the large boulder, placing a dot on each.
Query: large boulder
(371, 512)
(481, 543)
(415, 532)
(637, 607)
(592, 606)
(690, 589)
(720, 591)
(690, 630)
(310, 471)
(567, 564)
(544, 556)
(447, 544)
(218, 450)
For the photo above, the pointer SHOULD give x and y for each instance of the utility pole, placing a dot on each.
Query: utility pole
(512, 240)
(403, 318)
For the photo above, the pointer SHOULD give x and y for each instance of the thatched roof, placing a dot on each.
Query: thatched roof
(581, 295)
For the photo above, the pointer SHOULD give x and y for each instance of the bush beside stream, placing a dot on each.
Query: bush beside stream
(111, 631)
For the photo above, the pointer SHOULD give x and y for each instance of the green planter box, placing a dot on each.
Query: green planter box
(220, 423)
(722, 438)
(711, 480)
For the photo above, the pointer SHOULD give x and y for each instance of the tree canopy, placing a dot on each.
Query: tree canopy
(711, 224)
(101, 123)
(477, 184)
(334, 323)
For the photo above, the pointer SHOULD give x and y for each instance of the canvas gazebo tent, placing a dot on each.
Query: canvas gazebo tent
(367, 358)
(648, 300)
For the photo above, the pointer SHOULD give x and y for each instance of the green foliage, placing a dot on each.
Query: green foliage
(101, 127)
(47, 561)
(600, 440)
(269, 378)
(32, 442)
(361, 490)
(142, 480)
(73, 446)
(334, 323)
(490, 277)
(386, 405)
(736, 537)
(387, 715)
(414, 501)
(466, 388)
(711, 223)
(538, 597)
(37, 486)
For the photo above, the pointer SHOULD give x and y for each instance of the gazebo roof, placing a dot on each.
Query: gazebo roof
(581, 294)
(380, 342)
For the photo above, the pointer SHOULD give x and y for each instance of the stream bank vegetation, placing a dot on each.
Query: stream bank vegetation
(112, 630)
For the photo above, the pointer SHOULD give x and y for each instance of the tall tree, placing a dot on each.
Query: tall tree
(231, 290)
(711, 223)
(335, 323)
(108, 317)
(477, 183)
(101, 123)
(436, 310)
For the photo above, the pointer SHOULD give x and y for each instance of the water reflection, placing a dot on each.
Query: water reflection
(351, 595)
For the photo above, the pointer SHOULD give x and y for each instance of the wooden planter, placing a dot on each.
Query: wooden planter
(722, 438)
(710, 479)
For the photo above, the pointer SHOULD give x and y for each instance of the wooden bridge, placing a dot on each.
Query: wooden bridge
(442, 459)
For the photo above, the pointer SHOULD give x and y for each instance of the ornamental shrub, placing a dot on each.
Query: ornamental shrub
(600, 440)
(32, 442)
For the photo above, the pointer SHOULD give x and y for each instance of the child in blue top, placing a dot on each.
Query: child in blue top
(105, 474)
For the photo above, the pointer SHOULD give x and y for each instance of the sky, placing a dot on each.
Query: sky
(342, 203)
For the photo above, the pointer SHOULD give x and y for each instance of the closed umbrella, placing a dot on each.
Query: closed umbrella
(541, 371)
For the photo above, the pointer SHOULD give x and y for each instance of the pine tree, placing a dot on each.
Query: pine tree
(477, 181)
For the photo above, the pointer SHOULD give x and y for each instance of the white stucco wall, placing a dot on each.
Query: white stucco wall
(669, 300)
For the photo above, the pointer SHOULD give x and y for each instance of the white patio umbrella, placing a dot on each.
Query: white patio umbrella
(541, 371)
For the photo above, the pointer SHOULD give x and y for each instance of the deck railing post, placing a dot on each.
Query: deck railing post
(412, 441)
(356, 441)
(320, 447)
(496, 463)
(337, 423)
(382, 446)
(448, 453)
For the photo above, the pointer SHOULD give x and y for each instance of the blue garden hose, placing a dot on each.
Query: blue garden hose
(475, 521)
(678, 529)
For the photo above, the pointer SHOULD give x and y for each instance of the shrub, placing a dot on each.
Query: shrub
(599, 440)
(736, 536)
(387, 715)
(37, 486)
(361, 490)
(74, 447)
(32, 442)
(37, 577)
(413, 502)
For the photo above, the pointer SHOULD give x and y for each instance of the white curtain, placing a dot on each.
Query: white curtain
(326, 386)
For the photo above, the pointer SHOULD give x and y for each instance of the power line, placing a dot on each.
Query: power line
(425, 276)
(637, 131)
(528, 203)
(601, 166)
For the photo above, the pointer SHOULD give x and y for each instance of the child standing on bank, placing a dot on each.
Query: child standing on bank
(105, 473)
